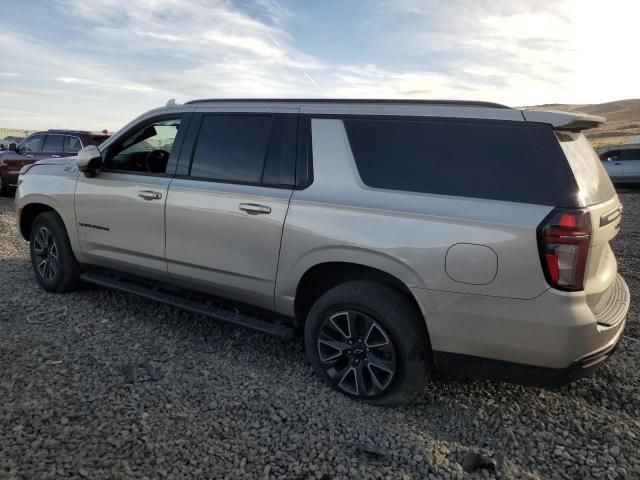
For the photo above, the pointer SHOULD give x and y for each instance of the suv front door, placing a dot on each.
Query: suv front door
(227, 204)
(120, 210)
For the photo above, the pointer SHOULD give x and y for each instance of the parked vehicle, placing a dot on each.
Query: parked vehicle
(622, 164)
(6, 141)
(41, 145)
(402, 237)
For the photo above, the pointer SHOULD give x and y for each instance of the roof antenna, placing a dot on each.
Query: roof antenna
(171, 102)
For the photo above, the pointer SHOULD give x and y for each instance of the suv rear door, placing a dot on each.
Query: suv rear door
(120, 210)
(227, 204)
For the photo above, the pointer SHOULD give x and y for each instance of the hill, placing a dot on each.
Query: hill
(623, 119)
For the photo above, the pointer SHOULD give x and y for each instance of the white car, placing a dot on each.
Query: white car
(622, 164)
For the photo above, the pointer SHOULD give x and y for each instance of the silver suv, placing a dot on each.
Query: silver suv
(403, 238)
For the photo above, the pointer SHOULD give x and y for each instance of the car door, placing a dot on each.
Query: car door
(120, 210)
(28, 152)
(631, 164)
(612, 162)
(226, 206)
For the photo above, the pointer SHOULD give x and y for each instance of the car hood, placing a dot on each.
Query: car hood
(56, 161)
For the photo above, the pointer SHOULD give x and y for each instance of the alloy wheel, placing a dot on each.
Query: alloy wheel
(356, 353)
(46, 253)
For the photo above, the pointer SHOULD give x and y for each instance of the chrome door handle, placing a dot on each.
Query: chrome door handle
(255, 209)
(27, 155)
(149, 195)
(55, 156)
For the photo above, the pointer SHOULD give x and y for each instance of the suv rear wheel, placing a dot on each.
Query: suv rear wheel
(366, 340)
(51, 256)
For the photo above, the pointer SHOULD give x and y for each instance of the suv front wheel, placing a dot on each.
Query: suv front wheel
(367, 340)
(55, 266)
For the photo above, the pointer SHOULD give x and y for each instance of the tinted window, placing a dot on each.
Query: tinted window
(280, 167)
(631, 154)
(594, 185)
(98, 139)
(470, 159)
(32, 144)
(611, 155)
(53, 144)
(72, 144)
(232, 147)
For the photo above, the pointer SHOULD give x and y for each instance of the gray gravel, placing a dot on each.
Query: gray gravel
(97, 384)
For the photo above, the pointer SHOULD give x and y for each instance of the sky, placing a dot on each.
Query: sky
(100, 63)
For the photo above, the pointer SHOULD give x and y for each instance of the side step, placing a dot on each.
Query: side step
(284, 332)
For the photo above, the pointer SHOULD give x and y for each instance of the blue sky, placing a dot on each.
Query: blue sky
(97, 64)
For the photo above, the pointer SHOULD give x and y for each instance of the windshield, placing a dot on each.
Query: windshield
(592, 179)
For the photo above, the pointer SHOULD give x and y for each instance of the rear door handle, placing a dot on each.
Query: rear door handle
(255, 209)
(149, 195)
(55, 156)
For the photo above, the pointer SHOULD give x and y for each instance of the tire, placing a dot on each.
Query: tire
(52, 258)
(368, 314)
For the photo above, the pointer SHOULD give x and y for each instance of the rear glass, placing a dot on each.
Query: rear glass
(481, 159)
(593, 181)
(98, 139)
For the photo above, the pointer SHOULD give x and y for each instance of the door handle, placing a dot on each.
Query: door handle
(617, 163)
(255, 209)
(28, 155)
(149, 195)
(55, 156)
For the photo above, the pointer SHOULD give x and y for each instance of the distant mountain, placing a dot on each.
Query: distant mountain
(623, 119)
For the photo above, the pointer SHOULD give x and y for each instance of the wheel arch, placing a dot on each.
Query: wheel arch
(322, 277)
(28, 214)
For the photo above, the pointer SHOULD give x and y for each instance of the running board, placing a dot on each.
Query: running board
(284, 332)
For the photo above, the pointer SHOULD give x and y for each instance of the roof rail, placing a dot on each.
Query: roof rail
(386, 101)
(67, 130)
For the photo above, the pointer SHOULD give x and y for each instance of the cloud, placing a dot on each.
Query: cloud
(113, 59)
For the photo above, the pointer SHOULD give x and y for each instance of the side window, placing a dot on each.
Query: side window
(32, 144)
(72, 144)
(53, 144)
(145, 150)
(483, 159)
(232, 148)
(611, 155)
(631, 154)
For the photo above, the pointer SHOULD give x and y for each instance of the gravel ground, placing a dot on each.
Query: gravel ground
(97, 384)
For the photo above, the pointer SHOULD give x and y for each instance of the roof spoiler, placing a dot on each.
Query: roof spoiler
(571, 121)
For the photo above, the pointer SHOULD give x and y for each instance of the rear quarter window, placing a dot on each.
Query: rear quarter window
(491, 160)
(594, 185)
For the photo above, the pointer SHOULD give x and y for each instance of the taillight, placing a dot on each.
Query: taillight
(563, 240)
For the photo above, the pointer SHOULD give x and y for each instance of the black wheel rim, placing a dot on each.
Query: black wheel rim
(45, 252)
(356, 353)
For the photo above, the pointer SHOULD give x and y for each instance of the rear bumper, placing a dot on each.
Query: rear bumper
(467, 366)
(548, 340)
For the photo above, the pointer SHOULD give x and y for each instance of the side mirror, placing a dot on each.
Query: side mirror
(13, 147)
(89, 160)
